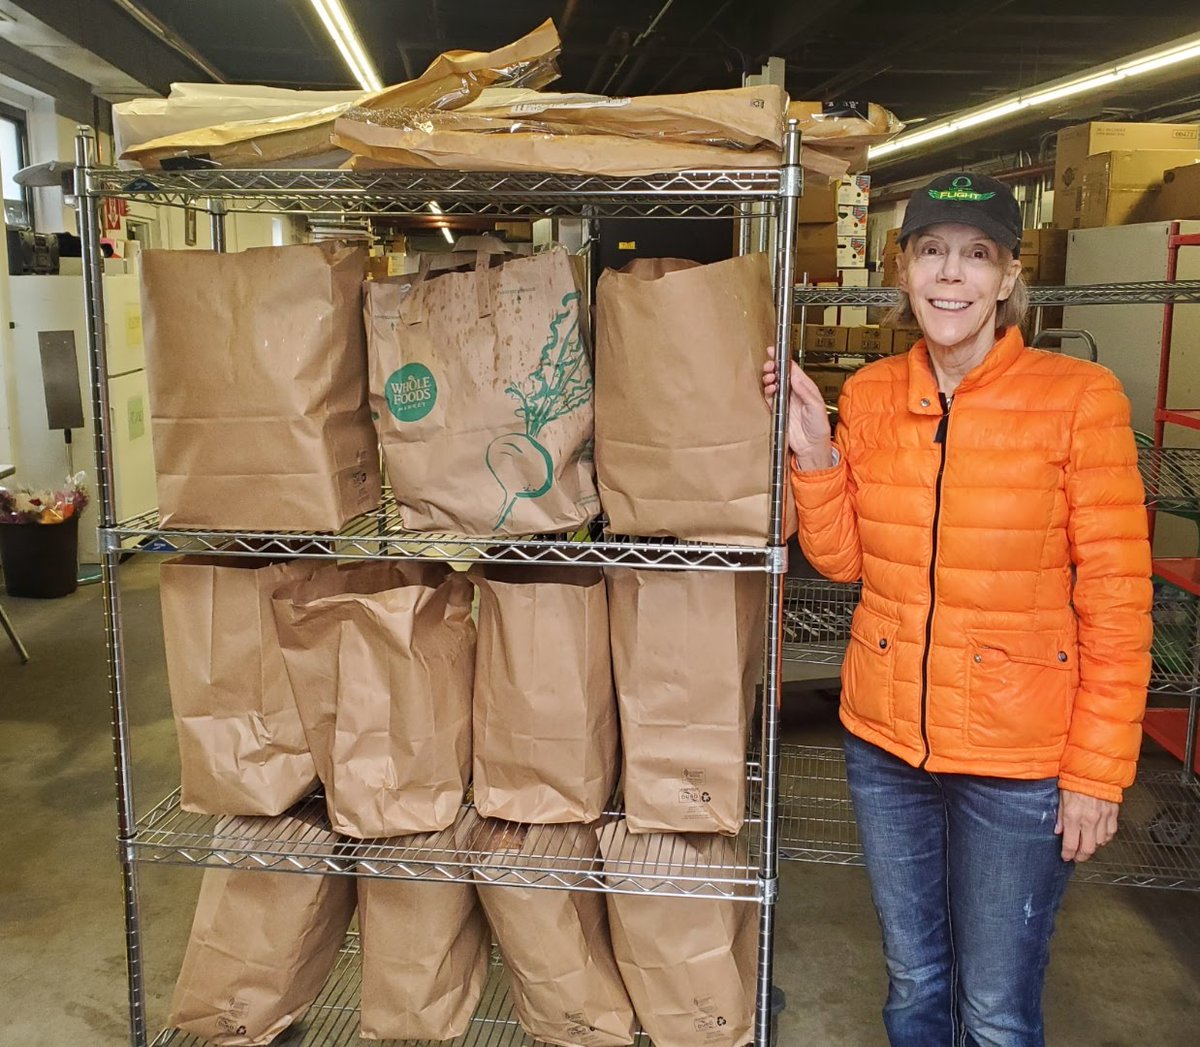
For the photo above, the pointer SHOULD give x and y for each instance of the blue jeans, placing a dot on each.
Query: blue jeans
(967, 876)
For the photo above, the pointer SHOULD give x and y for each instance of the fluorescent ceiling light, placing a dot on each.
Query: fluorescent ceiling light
(342, 32)
(1186, 50)
(448, 235)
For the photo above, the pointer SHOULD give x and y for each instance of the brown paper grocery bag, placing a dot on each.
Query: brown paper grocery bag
(257, 370)
(689, 963)
(565, 985)
(481, 388)
(545, 714)
(242, 748)
(262, 946)
(381, 655)
(683, 435)
(425, 954)
(686, 654)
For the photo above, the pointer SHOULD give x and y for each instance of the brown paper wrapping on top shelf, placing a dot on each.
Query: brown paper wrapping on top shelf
(452, 79)
(262, 944)
(566, 988)
(689, 964)
(686, 648)
(587, 134)
(242, 748)
(426, 949)
(381, 656)
(481, 384)
(257, 369)
(683, 435)
(545, 714)
(838, 135)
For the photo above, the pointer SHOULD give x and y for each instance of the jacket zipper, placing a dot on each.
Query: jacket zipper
(938, 438)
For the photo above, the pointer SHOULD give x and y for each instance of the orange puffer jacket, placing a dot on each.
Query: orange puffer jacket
(1004, 626)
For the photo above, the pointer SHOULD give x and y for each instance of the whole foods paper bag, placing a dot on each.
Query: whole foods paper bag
(686, 648)
(481, 387)
(262, 946)
(683, 435)
(425, 954)
(381, 656)
(688, 963)
(242, 748)
(257, 369)
(545, 714)
(565, 985)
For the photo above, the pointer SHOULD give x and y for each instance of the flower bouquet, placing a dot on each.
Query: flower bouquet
(41, 561)
(26, 506)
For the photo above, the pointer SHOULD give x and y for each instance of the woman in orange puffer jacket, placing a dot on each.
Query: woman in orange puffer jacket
(988, 496)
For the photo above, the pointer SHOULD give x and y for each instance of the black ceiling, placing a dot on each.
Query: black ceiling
(920, 58)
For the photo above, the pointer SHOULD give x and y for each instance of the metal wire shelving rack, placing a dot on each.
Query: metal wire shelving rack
(1159, 841)
(745, 869)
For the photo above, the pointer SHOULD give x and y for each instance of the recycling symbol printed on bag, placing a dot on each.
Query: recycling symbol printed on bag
(561, 382)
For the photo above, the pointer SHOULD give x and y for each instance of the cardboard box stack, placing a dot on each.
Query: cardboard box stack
(1180, 196)
(1112, 190)
(832, 231)
(832, 353)
(891, 258)
(1044, 256)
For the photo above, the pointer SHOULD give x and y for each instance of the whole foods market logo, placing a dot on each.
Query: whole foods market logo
(960, 189)
(411, 392)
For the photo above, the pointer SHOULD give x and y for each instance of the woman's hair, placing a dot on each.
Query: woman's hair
(1010, 312)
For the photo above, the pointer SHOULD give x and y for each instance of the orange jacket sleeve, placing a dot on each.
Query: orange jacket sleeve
(825, 502)
(1107, 531)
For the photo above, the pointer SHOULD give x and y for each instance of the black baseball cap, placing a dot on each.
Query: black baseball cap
(966, 199)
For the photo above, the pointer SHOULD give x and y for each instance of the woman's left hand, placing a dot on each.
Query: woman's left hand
(1085, 824)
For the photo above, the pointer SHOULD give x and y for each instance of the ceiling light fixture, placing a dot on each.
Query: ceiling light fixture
(448, 235)
(1185, 50)
(342, 32)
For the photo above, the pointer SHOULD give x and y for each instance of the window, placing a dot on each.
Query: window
(14, 154)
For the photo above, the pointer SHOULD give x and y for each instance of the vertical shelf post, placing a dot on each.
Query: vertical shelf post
(790, 188)
(87, 215)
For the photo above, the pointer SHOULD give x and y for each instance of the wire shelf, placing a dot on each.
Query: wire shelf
(1147, 292)
(727, 867)
(347, 194)
(817, 613)
(333, 1019)
(1171, 476)
(382, 533)
(1158, 844)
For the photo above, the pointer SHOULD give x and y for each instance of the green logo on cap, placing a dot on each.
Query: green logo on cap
(960, 189)
(411, 392)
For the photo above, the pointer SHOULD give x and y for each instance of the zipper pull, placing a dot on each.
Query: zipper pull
(943, 423)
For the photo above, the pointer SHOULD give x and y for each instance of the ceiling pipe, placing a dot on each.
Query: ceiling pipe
(636, 43)
(564, 20)
(169, 37)
(702, 30)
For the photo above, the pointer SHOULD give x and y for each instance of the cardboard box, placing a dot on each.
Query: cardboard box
(870, 340)
(817, 251)
(852, 219)
(1121, 187)
(1044, 256)
(818, 204)
(854, 189)
(851, 252)
(1077, 143)
(829, 380)
(822, 338)
(904, 338)
(1180, 196)
(518, 231)
(853, 278)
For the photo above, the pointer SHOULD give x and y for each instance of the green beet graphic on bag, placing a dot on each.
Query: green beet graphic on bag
(481, 383)
(561, 383)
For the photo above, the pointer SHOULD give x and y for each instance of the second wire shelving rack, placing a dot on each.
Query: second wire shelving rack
(1159, 841)
(744, 869)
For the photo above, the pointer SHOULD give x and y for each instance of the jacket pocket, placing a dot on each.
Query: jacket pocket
(1020, 687)
(869, 669)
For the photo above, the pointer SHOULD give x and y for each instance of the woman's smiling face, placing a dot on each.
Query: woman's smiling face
(954, 277)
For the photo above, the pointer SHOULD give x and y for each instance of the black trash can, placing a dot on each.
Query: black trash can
(40, 560)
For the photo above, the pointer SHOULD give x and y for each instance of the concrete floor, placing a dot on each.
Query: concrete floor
(1125, 969)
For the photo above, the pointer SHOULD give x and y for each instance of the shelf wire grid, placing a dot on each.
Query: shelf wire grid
(348, 194)
(1171, 476)
(333, 1020)
(382, 533)
(1149, 292)
(1157, 845)
(713, 866)
(817, 614)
